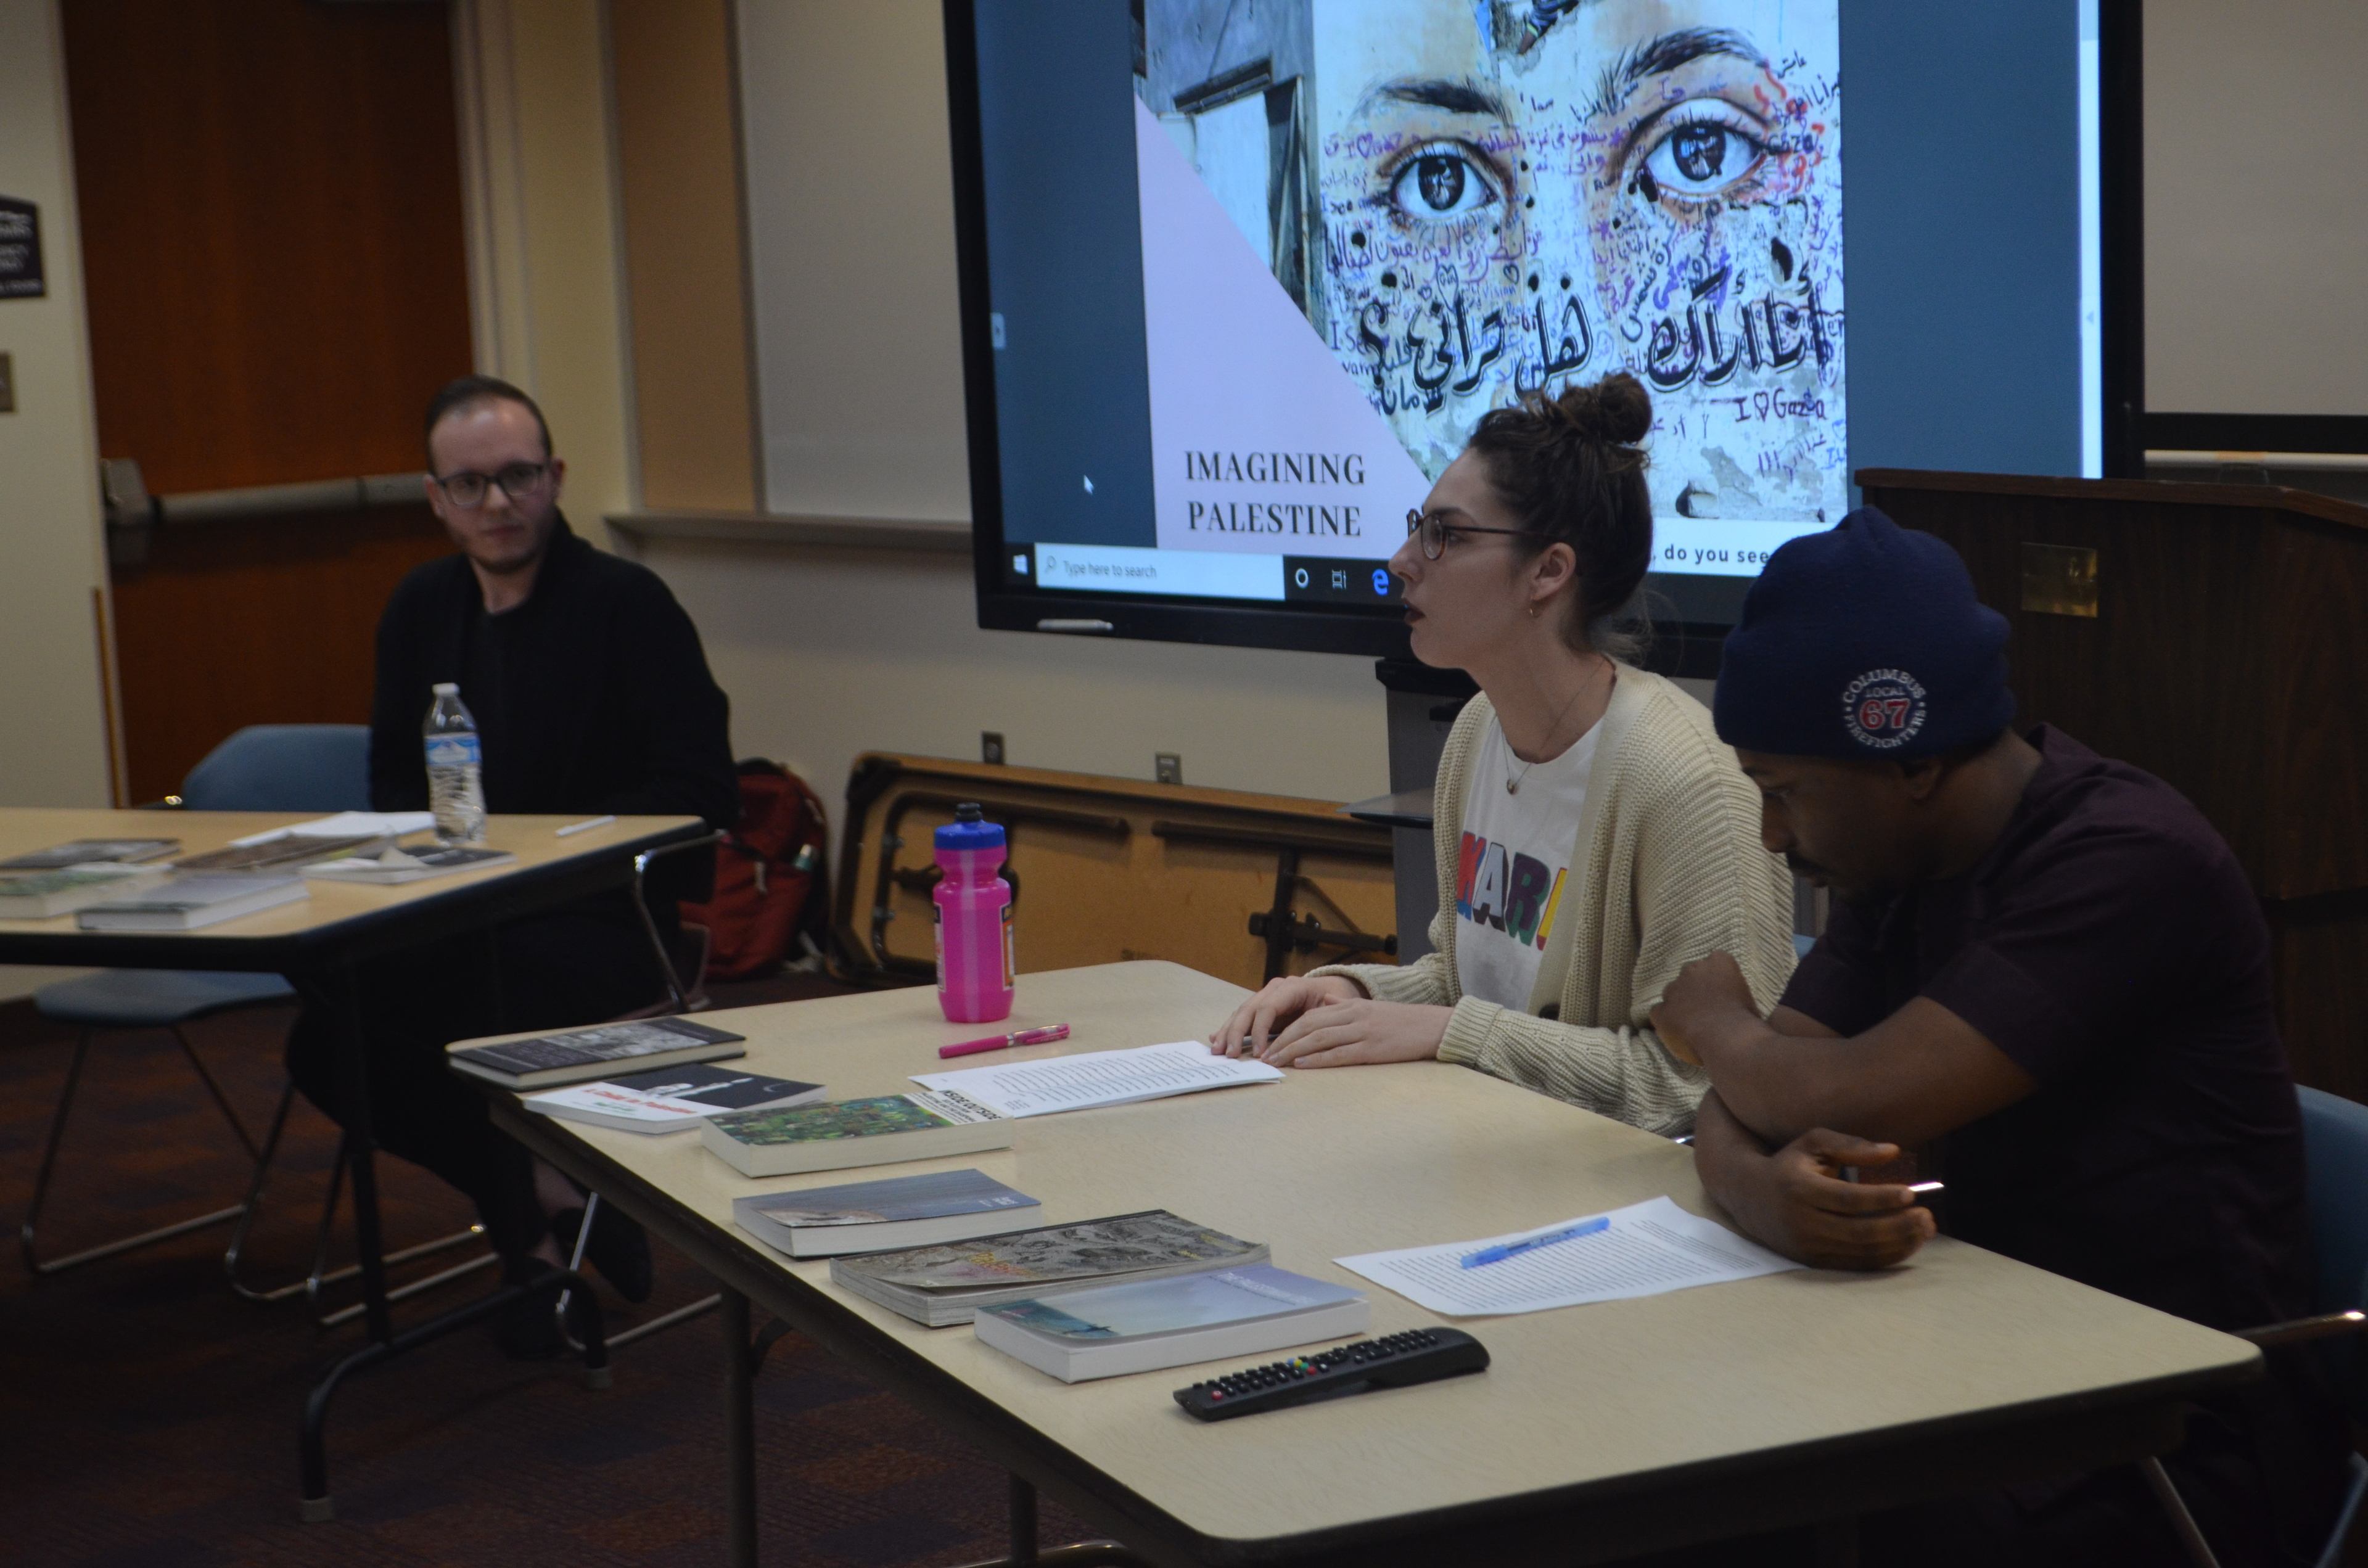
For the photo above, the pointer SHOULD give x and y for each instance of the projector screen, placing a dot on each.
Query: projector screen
(1241, 274)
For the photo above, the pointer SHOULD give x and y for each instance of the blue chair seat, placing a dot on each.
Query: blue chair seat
(152, 998)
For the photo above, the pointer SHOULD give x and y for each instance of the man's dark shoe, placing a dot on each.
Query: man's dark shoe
(620, 1249)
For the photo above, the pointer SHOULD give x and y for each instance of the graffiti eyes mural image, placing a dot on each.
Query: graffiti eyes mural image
(1469, 199)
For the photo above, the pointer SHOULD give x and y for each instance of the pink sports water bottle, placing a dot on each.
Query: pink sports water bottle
(974, 968)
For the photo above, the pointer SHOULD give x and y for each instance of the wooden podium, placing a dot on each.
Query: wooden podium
(2216, 636)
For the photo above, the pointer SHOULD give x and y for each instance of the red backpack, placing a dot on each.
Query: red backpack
(769, 875)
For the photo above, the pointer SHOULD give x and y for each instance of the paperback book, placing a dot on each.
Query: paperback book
(924, 1125)
(671, 1100)
(874, 1216)
(942, 1285)
(182, 902)
(578, 1055)
(85, 851)
(39, 895)
(1142, 1325)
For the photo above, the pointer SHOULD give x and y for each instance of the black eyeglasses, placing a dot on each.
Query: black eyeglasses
(1436, 531)
(518, 482)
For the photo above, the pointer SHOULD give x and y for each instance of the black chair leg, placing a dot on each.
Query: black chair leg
(2174, 1508)
(222, 1101)
(27, 1240)
(323, 1276)
(253, 1201)
(665, 1321)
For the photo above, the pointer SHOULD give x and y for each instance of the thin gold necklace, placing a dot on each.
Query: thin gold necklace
(1513, 780)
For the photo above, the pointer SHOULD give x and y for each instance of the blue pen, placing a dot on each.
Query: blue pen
(1514, 1249)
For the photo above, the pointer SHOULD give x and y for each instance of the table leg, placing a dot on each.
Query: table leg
(360, 1149)
(742, 1358)
(315, 1506)
(341, 994)
(1023, 1521)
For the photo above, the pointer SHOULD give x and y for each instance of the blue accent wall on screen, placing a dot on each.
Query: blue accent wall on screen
(1961, 212)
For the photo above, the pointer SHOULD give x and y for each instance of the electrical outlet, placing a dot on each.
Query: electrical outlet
(1167, 766)
(990, 746)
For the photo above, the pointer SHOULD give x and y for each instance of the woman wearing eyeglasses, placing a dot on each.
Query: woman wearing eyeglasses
(1592, 834)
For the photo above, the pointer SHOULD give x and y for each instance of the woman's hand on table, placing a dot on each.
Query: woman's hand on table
(1257, 1022)
(1355, 1031)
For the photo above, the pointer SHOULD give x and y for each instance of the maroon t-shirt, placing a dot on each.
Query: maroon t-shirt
(2109, 944)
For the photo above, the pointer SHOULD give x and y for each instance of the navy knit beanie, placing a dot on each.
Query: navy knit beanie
(1863, 640)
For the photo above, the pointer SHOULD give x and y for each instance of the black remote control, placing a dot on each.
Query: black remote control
(1419, 1356)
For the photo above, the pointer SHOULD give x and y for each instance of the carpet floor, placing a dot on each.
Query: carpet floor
(148, 1417)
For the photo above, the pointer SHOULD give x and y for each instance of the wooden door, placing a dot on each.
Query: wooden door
(272, 220)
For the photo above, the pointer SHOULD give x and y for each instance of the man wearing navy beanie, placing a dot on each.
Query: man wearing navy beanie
(2047, 978)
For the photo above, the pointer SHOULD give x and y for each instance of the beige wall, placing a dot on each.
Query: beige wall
(2255, 134)
(546, 277)
(829, 652)
(850, 216)
(678, 176)
(52, 559)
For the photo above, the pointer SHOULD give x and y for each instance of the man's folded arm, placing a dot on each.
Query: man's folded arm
(1916, 1075)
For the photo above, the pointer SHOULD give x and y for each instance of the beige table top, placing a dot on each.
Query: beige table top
(1329, 1164)
(531, 839)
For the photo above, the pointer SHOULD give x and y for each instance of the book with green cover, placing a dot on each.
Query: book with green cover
(924, 1125)
(88, 851)
(940, 1285)
(39, 895)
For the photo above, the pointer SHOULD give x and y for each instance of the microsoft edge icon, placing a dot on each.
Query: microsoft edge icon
(1381, 582)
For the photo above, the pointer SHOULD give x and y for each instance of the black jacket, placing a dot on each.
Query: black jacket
(591, 696)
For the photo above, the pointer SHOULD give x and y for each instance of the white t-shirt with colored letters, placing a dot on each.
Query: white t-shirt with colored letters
(1514, 863)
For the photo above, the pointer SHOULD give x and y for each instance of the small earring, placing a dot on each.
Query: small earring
(1533, 612)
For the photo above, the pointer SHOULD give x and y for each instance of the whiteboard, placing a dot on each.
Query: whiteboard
(851, 256)
(2256, 217)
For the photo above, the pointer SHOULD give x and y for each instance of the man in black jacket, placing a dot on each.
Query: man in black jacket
(591, 696)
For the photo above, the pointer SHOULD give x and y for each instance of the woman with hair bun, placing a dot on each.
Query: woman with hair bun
(1593, 835)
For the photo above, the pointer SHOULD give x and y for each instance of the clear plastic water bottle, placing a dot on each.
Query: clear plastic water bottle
(974, 903)
(456, 790)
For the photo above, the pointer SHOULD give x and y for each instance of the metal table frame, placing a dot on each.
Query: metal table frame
(321, 963)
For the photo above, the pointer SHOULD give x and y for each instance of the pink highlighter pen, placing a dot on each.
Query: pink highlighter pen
(1049, 1033)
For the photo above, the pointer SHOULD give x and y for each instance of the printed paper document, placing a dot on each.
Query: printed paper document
(1649, 1248)
(1100, 1078)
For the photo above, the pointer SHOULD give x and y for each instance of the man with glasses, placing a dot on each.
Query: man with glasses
(592, 696)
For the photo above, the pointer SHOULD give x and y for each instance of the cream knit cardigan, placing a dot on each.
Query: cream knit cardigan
(1669, 841)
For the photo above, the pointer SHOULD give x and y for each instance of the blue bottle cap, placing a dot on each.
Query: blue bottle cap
(969, 830)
